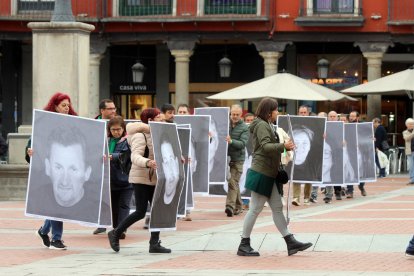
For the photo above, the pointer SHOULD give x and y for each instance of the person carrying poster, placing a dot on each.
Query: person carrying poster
(170, 176)
(59, 103)
(381, 144)
(261, 179)
(354, 118)
(143, 178)
(237, 141)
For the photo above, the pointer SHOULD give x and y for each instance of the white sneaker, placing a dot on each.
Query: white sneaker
(409, 256)
(306, 201)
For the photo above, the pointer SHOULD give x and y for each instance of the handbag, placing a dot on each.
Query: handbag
(282, 176)
(385, 145)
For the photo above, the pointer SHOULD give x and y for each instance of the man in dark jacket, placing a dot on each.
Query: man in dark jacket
(237, 140)
(381, 143)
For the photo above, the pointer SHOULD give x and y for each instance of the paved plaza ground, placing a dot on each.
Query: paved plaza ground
(360, 236)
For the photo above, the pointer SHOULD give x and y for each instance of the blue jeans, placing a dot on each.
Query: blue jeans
(410, 247)
(57, 229)
(411, 168)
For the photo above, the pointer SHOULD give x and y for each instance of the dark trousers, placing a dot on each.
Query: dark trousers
(143, 194)
(120, 205)
(337, 190)
(350, 188)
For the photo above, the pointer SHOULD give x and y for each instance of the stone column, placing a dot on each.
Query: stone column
(182, 51)
(374, 53)
(271, 51)
(97, 51)
(61, 62)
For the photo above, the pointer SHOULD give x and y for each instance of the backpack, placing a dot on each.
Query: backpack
(125, 158)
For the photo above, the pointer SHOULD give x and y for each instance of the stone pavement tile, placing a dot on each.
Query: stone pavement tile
(230, 241)
(343, 243)
(409, 198)
(10, 257)
(390, 243)
(353, 226)
(308, 261)
(385, 205)
(190, 243)
(381, 214)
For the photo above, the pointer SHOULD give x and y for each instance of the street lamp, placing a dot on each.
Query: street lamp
(323, 68)
(225, 67)
(138, 72)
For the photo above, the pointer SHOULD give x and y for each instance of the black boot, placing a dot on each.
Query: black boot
(156, 247)
(293, 246)
(155, 244)
(113, 240)
(245, 249)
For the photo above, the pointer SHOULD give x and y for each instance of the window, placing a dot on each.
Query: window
(144, 7)
(333, 6)
(230, 6)
(35, 5)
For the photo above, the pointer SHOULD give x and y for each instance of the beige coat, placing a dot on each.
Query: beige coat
(408, 136)
(286, 156)
(139, 173)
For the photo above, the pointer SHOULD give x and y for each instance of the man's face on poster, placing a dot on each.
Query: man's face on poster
(68, 172)
(303, 145)
(170, 167)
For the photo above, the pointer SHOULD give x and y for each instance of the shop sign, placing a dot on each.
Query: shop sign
(135, 88)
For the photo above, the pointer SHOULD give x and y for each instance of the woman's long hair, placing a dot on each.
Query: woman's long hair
(56, 99)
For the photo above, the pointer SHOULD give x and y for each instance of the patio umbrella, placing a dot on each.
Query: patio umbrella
(398, 83)
(281, 86)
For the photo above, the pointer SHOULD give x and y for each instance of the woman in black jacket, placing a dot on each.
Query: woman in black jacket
(121, 189)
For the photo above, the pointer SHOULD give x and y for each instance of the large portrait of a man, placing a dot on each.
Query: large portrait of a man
(199, 148)
(219, 129)
(170, 176)
(184, 134)
(66, 179)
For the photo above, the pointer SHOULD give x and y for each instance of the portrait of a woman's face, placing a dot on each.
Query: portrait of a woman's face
(214, 143)
(171, 171)
(303, 144)
(327, 162)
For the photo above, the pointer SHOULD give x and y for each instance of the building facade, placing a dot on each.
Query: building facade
(181, 42)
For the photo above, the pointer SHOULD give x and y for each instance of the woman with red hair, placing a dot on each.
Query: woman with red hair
(59, 103)
(142, 176)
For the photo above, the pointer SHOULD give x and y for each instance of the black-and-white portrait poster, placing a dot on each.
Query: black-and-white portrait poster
(189, 183)
(66, 177)
(366, 152)
(333, 155)
(199, 150)
(219, 129)
(170, 176)
(222, 189)
(351, 163)
(308, 135)
(184, 134)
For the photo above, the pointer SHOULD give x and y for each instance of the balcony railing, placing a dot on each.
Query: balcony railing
(344, 13)
(325, 8)
(125, 10)
(401, 12)
(41, 10)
